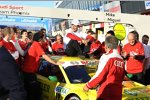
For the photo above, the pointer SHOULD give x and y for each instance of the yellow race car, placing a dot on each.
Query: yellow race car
(66, 81)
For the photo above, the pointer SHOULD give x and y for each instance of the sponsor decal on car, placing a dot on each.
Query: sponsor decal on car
(45, 87)
(133, 93)
(61, 90)
(86, 62)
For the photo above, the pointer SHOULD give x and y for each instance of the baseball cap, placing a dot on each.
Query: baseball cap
(75, 22)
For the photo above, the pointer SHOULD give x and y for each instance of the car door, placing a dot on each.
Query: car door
(58, 82)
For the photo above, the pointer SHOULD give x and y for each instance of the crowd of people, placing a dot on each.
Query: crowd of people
(21, 52)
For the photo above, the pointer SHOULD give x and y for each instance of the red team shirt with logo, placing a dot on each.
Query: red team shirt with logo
(95, 46)
(32, 58)
(45, 45)
(133, 65)
(9, 46)
(109, 76)
(57, 46)
(23, 44)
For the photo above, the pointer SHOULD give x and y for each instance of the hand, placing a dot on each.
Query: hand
(80, 42)
(85, 88)
(58, 63)
(85, 42)
(124, 54)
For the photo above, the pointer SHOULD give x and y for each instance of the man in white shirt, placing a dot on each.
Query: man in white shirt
(75, 40)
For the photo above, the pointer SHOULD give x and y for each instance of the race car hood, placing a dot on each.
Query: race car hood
(142, 93)
(135, 91)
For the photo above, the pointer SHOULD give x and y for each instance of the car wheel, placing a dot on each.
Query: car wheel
(73, 97)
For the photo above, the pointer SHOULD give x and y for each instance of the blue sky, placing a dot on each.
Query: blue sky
(50, 4)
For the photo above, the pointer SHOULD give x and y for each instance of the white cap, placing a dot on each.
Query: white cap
(75, 22)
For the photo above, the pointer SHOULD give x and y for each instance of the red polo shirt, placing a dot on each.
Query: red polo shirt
(32, 59)
(23, 44)
(95, 46)
(133, 65)
(1, 42)
(9, 46)
(57, 46)
(45, 45)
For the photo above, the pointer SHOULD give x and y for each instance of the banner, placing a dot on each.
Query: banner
(13, 10)
(147, 4)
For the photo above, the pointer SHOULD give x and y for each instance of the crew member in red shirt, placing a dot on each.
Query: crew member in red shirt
(58, 45)
(95, 46)
(23, 42)
(31, 65)
(110, 74)
(9, 45)
(22, 46)
(133, 52)
(46, 45)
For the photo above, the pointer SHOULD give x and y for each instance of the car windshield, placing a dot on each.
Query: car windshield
(77, 74)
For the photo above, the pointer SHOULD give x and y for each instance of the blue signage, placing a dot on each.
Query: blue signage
(20, 19)
(147, 4)
(26, 22)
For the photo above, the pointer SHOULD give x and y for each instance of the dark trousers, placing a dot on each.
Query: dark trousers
(32, 86)
(10, 81)
(138, 77)
(73, 48)
(147, 77)
(96, 54)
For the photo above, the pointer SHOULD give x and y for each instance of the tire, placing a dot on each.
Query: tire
(73, 97)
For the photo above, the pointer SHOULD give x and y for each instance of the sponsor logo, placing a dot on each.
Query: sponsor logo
(61, 90)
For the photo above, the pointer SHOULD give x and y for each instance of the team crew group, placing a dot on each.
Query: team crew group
(24, 50)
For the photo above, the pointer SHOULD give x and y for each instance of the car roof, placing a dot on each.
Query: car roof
(65, 58)
(72, 61)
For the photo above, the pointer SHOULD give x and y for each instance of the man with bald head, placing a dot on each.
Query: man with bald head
(133, 52)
